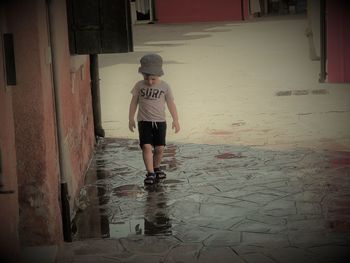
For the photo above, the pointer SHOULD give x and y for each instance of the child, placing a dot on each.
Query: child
(150, 95)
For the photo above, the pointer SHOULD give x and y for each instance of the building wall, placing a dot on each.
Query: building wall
(75, 103)
(338, 41)
(9, 241)
(35, 116)
(36, 147)
(182, 11)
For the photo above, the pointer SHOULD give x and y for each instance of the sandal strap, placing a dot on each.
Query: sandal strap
(160, 174)
(150, 178)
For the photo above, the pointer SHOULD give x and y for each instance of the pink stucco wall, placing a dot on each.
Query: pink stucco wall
(182, 11)
(338, 41)
(73, 80)
(36, 148)
(35, 114)
(78, 126)
(9, 241)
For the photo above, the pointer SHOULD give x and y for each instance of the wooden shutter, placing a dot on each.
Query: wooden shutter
(99, 26)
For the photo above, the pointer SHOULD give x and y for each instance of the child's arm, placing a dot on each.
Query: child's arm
(132, 111)
(173, 111)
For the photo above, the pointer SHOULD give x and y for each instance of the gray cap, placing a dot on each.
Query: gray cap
(151, 64)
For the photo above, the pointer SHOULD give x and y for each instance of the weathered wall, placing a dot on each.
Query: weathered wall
(36, 148)
(182, 11)
(338, 41)
(75, 103)
(35, 113)
(9, 241)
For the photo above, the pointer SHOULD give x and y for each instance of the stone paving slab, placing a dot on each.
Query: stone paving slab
(218, 203)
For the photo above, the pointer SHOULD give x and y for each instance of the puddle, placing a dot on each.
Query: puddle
(172, 181)
(131, 190)
(202, 189)
(124, 229)
(160, 224)
(340, 162)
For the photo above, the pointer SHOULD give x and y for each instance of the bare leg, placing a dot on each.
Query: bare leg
(147, 155)
(158, 156)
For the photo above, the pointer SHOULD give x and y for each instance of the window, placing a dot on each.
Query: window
(10, 66)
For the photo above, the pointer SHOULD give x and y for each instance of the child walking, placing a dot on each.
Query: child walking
(150, 96)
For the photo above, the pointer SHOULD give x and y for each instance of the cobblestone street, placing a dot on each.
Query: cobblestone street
(219, 203)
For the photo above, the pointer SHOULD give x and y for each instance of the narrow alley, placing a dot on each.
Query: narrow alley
(259, 172)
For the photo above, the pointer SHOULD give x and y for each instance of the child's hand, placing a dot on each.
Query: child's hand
(176, 126)
(132, 125)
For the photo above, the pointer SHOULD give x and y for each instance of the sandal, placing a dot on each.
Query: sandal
(160, 174)
(150, 178)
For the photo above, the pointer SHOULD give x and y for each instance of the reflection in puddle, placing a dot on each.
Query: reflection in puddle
(128, 190)
(337, 205)
(208, 186)
(106, 210)
(157, 221)
(172, 181)
(170, 162)
(95, 221)
(124, 229)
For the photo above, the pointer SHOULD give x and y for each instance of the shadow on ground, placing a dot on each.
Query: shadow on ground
(174, 35)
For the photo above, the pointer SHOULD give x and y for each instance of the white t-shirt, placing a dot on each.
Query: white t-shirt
(151, 100)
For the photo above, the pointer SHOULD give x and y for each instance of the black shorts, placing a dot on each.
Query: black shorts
(152, 133)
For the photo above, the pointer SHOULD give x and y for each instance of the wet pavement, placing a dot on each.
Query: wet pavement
(259, 172)
(219, 203)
